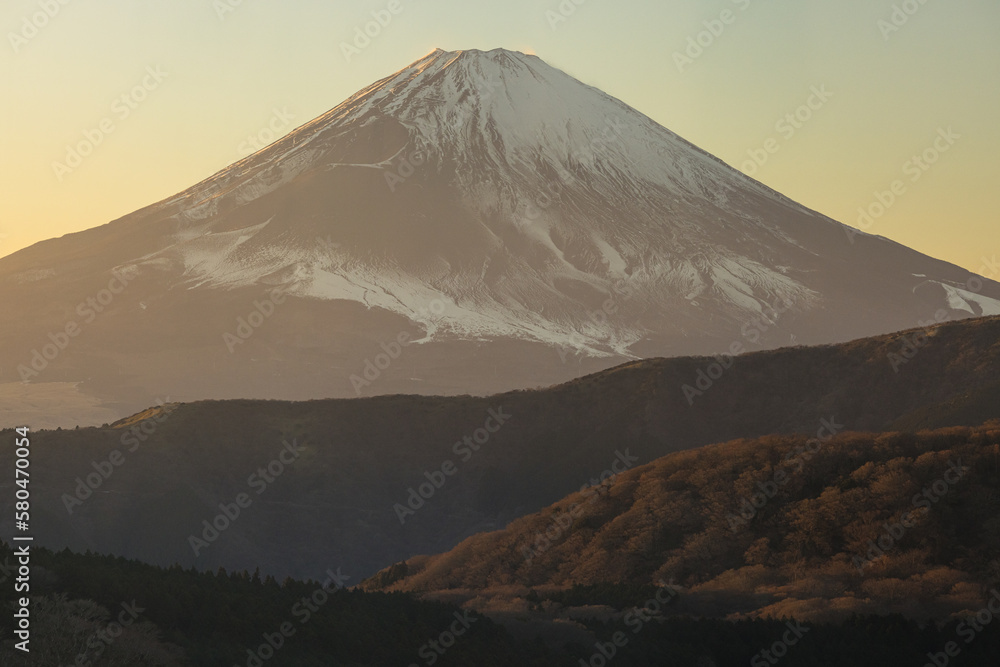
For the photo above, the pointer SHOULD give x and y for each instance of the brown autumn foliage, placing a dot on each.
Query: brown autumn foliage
(806, 552)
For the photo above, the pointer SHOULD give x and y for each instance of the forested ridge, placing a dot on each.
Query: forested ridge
(212, 619)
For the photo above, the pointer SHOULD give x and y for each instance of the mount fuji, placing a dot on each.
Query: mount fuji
(476, 222)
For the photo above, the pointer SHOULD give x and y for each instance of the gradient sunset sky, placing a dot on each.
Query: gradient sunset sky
(232, 69)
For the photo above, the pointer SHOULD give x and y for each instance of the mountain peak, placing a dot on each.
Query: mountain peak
(477, 198)
(475, 63)
(495, 182)
(477, 53)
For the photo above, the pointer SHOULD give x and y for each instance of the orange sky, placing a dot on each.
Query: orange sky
(828, 103)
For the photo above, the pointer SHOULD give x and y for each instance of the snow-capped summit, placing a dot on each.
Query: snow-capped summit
(522, 225)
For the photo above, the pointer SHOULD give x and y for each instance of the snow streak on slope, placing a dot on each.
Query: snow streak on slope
(569, 204)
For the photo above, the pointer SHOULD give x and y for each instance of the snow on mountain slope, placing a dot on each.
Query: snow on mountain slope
(600, 199)
(522, 227)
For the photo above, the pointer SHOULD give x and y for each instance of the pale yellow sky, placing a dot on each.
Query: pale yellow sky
(199, 81)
